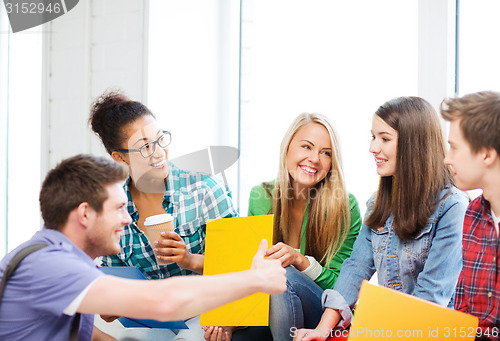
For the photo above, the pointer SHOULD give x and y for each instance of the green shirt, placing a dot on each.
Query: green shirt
(261, 203)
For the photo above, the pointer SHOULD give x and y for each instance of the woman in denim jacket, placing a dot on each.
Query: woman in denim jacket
(412, 234)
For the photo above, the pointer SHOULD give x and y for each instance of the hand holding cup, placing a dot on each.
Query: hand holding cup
(170, 248)
(155, 226)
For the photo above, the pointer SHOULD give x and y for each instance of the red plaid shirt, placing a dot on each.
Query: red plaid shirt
(478, 288)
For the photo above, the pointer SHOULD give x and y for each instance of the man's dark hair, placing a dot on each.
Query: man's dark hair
(81, 178)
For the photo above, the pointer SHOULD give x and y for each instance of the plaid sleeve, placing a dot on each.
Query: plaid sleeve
(111, 261)
(217, 201)
(460, 301)
(477, 291)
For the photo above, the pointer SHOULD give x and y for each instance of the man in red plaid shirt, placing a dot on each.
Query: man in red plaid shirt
(475, 159)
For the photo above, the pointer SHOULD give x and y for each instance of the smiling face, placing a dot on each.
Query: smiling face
(384, 146)
(104, 230)
(467, 166)
(155, 167)
(309, 155)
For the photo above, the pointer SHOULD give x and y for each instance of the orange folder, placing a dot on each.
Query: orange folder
(383, 313)
(230, 245)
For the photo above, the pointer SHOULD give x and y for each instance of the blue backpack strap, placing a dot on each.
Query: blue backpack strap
(14, 263)
(12, 266)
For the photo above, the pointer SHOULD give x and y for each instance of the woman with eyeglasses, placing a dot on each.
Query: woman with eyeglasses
(131, 135)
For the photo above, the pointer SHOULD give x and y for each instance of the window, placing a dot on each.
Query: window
(342, 59)
(193, 75)
(479, 51)
(20, 112)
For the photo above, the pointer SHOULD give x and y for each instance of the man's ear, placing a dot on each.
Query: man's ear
(490, 156)
(118, 157)
(85, 213)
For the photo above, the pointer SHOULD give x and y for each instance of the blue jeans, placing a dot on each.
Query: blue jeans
(298, 307)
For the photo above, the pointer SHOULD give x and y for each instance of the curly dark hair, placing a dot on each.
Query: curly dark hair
(110, 113)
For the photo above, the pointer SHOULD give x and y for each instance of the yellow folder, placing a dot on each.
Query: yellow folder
(387, 314)
(230, 245)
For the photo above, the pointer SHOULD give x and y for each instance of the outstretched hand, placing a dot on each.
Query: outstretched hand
(270, 280)
(271, 273)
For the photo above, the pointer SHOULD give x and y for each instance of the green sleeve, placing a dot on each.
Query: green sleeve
(259, 203)
(329, 274)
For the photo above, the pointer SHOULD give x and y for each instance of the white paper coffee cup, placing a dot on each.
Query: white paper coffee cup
(155, 225)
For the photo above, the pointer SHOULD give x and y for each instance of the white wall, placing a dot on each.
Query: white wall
(340, 59)
(479, 50)
(101, 44)
(96, 46)
(436, 50)
(3, 134)
(193, 80)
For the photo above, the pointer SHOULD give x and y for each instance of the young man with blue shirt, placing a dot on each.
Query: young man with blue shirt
(84, 210)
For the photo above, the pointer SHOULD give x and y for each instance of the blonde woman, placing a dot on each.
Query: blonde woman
(412, 234)
(316, 221)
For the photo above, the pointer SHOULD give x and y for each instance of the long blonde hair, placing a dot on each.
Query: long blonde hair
(329, 214)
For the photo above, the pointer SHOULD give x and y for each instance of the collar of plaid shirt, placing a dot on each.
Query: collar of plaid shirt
(168, 196)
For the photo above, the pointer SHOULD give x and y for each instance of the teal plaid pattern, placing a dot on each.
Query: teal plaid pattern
(192, 198)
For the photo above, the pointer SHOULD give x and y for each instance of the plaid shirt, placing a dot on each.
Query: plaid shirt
(478, 289)
(192, 198)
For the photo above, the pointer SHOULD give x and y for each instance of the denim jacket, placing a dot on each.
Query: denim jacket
(426, 266)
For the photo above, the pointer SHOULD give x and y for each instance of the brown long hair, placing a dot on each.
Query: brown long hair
(411, 193)
(329, 213)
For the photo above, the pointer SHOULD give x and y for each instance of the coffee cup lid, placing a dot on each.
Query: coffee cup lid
(158, 219)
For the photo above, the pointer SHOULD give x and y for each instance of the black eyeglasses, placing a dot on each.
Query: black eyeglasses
(149, 148)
